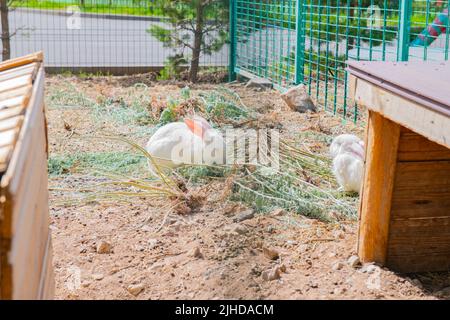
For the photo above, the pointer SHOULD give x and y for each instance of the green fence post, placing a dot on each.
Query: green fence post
(404, 30)
(299, 45)
(233, 35)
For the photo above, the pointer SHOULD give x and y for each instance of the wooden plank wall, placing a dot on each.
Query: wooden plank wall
(419, 232)
(26, 255)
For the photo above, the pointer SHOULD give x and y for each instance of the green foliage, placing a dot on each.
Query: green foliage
(134, 7)
(127, 110)
(66, 95)
(198, 26)
(169, 114)
(217, 105)
(121, 162)
(172, 67)
(303, 184)
(199, 174)
(186, 93)
(225, 104)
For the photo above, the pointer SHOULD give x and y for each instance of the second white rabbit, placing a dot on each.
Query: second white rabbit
(348, 162)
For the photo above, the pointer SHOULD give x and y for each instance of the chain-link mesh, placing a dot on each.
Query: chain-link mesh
(266, 39)
(308, 41)
(101, 34)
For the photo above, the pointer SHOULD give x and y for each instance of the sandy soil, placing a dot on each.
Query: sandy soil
(209, 254)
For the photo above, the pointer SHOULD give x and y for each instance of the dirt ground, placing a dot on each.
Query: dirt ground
(221, 251)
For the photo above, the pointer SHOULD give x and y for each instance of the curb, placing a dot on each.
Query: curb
(93, 15)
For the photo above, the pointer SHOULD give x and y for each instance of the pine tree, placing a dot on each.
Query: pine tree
(199, 26)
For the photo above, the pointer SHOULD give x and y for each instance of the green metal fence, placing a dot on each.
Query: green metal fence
(308, 41)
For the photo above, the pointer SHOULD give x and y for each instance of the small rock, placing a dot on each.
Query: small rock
(245, 215)
(353, 261)
(156, 266)
(104, 247)
(135, 289)
(369, 268)
(197, 253)
(240, 229)
(332, 255)
(113, 271)
(271, 253)
(338, 266)
(298, 99)
(339, 234)
(339, 291)
(152, 243)
(270, 275)
(98, 276)
(260, 83)
(291, 243)
(283, 268)
(176, 226)
(303, 248)
(85, 284)
(139, 248)
(278, 212)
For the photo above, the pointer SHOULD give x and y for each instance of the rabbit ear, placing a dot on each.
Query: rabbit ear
(196, 127)
(203, 121)
(358, 149)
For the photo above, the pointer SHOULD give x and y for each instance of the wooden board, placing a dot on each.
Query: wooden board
(419, 232)
(382, 141)
(47, 282)
(21, 61)
(16, 93)
(16, 101)
(414, 147)
(424, 83)
(29, 242)
(5, 153)
(422, 190)
(8, 137)
(431, 124)
(26, 270)
(405, 203)
(11, 123)
(29, 69)
(10, 112)
(15, 83)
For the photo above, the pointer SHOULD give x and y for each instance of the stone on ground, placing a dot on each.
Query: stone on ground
(298, 99)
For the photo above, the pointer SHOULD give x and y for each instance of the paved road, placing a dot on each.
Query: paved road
(99, 41)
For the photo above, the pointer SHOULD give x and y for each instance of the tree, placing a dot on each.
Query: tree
(200, 26)
(5, 6)
(6, 43)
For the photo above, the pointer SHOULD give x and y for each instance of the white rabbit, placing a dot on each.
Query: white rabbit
(348, 162)
(346, 142)
(193, 141)
(348, 171)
